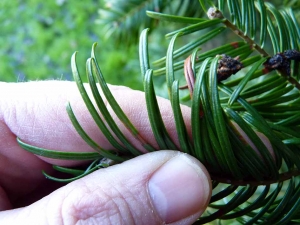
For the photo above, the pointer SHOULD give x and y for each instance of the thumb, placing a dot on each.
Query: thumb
(164, 187)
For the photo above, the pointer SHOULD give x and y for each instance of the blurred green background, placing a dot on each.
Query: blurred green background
(38, 38)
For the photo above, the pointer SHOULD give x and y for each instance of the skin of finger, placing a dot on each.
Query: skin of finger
(35, 112)
(4, 201)
(104, 197)
(20, 171)
(21, 105)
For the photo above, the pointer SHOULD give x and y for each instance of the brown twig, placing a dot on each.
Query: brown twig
(214, 13)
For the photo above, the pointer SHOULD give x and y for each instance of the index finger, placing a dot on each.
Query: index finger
(35, 112)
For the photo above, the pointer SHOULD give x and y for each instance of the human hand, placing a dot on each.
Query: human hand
(156, 188)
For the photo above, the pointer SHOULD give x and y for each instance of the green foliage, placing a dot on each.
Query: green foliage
(38, 37)
(124, 20)
(245, 128)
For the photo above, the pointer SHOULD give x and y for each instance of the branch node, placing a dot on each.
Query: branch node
(214, 13)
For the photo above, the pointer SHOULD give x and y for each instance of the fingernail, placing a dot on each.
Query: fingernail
(180, 188)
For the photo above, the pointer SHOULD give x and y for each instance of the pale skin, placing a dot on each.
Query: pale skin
(128, 193)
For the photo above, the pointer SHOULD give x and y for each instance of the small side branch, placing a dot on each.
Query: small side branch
(214, 13)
